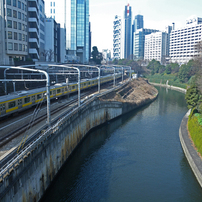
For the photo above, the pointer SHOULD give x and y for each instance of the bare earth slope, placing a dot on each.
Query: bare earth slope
(136, 92)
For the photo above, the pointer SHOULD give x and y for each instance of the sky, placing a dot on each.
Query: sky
(157, 15)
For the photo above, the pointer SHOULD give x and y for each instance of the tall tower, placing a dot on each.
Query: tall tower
(128, 32)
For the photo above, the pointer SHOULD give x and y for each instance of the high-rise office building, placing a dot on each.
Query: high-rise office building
(184, 40)
(13, 32)
(128, 32)
(139, 41)
(156, 46)
(117, 38)
(138, 23)
(73, 16)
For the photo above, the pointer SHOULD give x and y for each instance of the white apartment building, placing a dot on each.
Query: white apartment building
(117, 38)
(13, 31)
(183, 40)
(155, 46)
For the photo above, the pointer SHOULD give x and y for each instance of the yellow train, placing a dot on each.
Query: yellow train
(23, 100)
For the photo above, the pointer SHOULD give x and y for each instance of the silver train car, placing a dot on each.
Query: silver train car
(19, 101)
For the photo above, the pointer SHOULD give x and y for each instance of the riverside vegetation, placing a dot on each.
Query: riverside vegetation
(187, 76)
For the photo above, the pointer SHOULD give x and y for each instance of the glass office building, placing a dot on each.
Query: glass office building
(82, 30)
(73, 16)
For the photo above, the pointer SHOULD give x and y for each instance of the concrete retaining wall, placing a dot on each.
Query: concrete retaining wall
(191, 154)
(30, 177)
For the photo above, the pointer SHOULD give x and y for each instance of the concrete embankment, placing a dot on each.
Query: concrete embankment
(170, 87)
(28, 176)
(191, 154)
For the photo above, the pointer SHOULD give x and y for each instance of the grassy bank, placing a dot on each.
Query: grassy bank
(195, 130)
(172, 80)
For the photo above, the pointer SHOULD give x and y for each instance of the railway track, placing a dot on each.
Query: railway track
(22, 128)
(13, 153)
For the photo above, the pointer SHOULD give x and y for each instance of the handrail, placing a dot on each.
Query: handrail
(18, 157)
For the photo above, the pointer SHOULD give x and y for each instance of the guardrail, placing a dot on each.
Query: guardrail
(18, 158)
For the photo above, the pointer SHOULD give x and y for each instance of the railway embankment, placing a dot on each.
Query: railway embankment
(30, 173)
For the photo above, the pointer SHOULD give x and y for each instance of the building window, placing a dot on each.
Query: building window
(23, 37)
(10, 35)
(20, 37)
(14, 14)
(19, 4)
(50, 3)
(53, 10)
(19, 26)
(9, 23)
(23, 27)
(20, 47)
(10, 46)
(23, 16)
(15, 46)
(15, 3)
(8, 2)
(14, 24)
(23, 6)
(23, 47)
(53, 4)
(19, 15)
(15, 36)
(50, 10)
(9, 12)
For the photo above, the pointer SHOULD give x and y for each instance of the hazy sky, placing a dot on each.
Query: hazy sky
(157, 15)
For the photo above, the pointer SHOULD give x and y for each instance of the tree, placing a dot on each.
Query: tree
(183, 73)
(97, 56)
(192, 96)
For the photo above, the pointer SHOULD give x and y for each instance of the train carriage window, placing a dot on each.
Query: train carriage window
(2, 107)
(73, 87)
(62, 90)
(27, 100)
(20, 102)
(58, 90)
(51, 92)
(39, 96)
(65, 88)
(33, 98)
(54, 92)
(11, 104)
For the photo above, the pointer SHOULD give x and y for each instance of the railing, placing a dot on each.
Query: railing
(19, 157)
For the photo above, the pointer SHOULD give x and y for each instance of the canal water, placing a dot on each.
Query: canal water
(137, 157)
